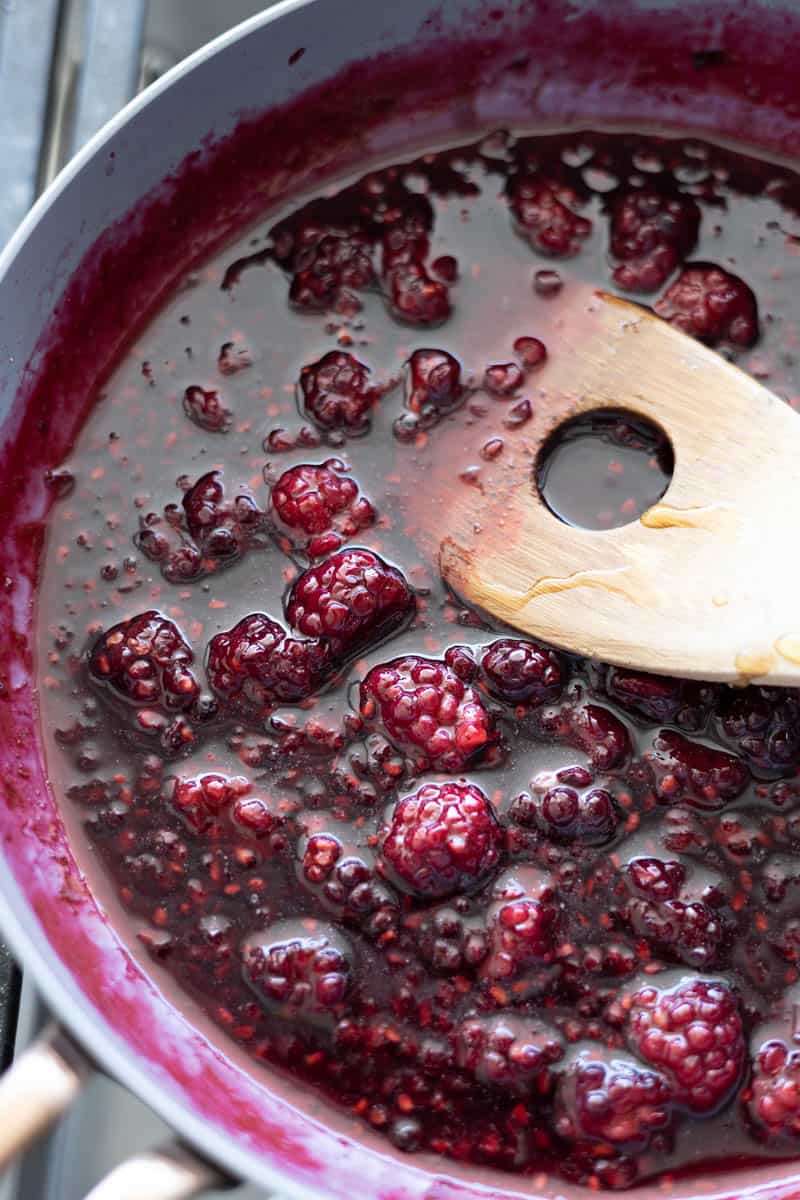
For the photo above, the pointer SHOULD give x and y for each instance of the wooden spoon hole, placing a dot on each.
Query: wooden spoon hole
(602, 469)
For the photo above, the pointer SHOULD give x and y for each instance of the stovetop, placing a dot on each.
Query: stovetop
(66, 66)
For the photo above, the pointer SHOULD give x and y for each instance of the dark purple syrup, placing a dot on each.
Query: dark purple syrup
(604, 469)
(504, 905)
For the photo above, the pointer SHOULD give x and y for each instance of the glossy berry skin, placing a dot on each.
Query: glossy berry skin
(651, 232)
(221, 527)
(309, 497)
(414, 296)
(656, 878)
(213, 530)
(763, 725)
(683, 924)
(429, 712)
(531, 351)
(597, 816)
(687, 931)
(610, 1098)
(179, 557)
(545, 218)
(691, 771)
(503, 379)
(522, 935)
(564, 814)
(433, 389)
(256, 665)
(351, 601)
(661, 698)
(596, 730)
(693, 1035)
(450, 942)
(347, 884)
(442, 839)
(147, 662)
(233, 357)
(774, 1093)
(521, 672)
(306, 977)
(711, 304)
(259, 817)
(336, 393)
(602, 735)
(434, 382)
(202, 799)
(321, 502)
(204, 407)
(323, 267)
(509, 1052)
(655, 697)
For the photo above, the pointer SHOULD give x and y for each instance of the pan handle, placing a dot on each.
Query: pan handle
(37, 1089)
(40, 1086)
(170, 1172)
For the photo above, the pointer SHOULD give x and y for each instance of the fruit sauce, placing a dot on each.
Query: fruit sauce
(503, 905)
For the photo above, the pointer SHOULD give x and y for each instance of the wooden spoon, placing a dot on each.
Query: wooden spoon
(706, 583)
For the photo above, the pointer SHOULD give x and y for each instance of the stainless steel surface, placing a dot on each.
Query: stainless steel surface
(92, 73)
(112, 39)
(41, 1084)
(27, 29)
(66, 66)
(180, 26)
(167, 1172)
(105, 1126)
